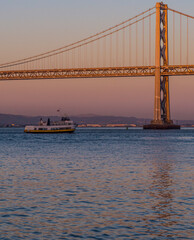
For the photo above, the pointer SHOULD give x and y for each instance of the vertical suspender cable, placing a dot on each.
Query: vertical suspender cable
(111, 50)
(123, 45)
(129, 45)
(71, 55)
(136, 42)
(60, 60)
(79, 57)
(86, 56)
(187, 41)
(82, 56)
(67, 59)
(91, 49)
(76, 55)
(104, 60)
(149, 40)
(74, 59)
(62, 55)
(98, 52)
(117, 48)
(180, 39)
(71, 59)
(36, 64)
(143, 42)
(93, 53)
(173, 47)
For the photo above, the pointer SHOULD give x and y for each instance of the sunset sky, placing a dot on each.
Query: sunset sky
(30, 27)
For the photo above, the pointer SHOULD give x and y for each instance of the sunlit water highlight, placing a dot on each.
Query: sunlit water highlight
(97, 184)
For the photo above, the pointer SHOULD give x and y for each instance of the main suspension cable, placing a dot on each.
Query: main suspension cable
(75, 43)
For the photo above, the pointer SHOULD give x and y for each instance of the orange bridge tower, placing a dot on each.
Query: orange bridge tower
(162, 118)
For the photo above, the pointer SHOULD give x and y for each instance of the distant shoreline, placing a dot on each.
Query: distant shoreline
(94, 126)
(86, 120)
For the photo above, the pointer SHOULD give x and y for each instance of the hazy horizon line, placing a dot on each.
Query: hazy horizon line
(88, 115)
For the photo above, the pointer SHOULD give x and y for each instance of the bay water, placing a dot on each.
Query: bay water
(98, 183)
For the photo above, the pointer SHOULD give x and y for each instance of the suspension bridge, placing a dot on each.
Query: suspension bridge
(127, 49)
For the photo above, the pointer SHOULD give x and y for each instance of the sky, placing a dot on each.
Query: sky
(30, 27)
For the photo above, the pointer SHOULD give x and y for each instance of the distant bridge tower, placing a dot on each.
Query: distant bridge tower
(161, 102)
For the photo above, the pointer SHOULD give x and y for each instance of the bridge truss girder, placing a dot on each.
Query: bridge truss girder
(136, 71)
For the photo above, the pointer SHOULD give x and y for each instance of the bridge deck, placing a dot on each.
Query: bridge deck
(136, 71)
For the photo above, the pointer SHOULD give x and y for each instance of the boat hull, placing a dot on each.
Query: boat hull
(50, 131)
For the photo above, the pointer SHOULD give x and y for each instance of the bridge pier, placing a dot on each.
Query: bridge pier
(161, 101)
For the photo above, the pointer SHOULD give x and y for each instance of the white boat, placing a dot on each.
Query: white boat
(65, 125)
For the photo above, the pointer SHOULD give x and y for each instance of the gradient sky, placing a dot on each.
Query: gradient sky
(29, 27)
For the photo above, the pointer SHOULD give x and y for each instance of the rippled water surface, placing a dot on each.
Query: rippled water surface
(97, 184)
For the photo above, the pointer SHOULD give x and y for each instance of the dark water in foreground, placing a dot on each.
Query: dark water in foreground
(97, 184)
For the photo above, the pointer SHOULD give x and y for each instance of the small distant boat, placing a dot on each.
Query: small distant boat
(65, 125)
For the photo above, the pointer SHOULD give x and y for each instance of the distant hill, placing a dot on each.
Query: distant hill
(97, 119)
(8, 119)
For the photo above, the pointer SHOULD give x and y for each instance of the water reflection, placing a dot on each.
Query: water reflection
(161, 191)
